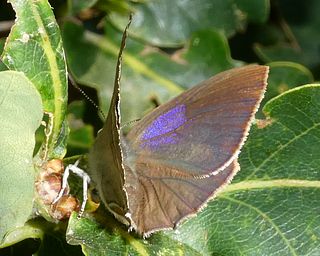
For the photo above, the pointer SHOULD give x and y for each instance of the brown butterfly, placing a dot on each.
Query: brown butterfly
(177, 157)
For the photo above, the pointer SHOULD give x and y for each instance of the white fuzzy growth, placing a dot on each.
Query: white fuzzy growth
(41, 31)
(50, 25)
(25, 38)
(9, 58)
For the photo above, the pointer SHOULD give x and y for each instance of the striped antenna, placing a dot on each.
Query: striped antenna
(75, 85)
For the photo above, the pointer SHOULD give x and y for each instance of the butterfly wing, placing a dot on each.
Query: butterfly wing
(202, 130)
(105, 157)
(161, 203)
(106, 170)
(178, 157)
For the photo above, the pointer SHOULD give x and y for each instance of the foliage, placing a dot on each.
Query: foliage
(270, 208)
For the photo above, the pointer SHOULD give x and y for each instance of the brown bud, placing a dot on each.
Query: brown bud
(48, 187)
(64, 207)
(53, 166)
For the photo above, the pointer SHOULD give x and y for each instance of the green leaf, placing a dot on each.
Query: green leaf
(19, 121)
(284, 76)
(76, 6)
(51, 236)
(148, 75)
(121, 7)
(2, 66)
(34, 47)
(21, 233)
(255, 11)
(300, 23)
(118, 241)
(81, 136)
(171, 23)
(271, 207)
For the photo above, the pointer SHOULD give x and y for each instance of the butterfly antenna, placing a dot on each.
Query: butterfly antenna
(75, 85)
(129, 123)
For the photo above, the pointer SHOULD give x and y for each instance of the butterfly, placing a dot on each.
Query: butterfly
(178, 156)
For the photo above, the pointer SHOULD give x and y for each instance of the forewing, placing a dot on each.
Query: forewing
(105, 157)
(105, 167)
(203, 129)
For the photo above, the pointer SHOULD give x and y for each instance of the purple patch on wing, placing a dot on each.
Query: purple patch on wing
(164, 124)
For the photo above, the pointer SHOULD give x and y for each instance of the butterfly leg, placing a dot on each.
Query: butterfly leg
(85, 181)
(63, 185)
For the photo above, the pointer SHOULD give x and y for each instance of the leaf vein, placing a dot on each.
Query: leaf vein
(267, 218)
(281, 148)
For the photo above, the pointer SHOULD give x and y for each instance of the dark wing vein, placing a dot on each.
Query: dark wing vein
(159, 202)
(177, 195)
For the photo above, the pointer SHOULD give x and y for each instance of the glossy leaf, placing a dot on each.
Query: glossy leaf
(47, 237)
(76, 6)
(122, 7)
(171, 23)
(81, 135)
(299, 24)
(34, 47)
(21, 233)
(118, 241)
(19, 121)
(284, 76)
